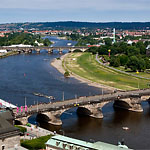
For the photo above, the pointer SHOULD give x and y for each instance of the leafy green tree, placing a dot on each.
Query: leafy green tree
(147, 63)
(108, 41)
(123, 59)
(132, 50)
(46, 42)
(115, 61)
(93, 50)
(133, 63)
(142, 47)
(112, 59)
(141, 64)
(103, 50)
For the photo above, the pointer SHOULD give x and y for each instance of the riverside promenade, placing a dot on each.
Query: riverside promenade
(35, 132)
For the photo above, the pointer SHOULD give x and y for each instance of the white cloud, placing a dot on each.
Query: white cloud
(78, 4)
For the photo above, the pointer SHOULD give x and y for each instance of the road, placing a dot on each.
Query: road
(97, 59)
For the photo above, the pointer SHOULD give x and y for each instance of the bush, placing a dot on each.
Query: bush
(66, 74)
(22, 129)
(36, 144)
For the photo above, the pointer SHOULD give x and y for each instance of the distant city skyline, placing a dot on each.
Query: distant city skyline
(12, 11)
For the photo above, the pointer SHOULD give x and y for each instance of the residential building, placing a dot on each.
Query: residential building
(59, 142)
(9, 135)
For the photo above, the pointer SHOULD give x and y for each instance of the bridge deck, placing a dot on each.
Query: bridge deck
(6, 104)
(83, 101)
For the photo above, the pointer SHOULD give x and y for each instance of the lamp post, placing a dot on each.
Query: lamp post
(63, 132)
(109, 52)
(63, 97)
(137, 79)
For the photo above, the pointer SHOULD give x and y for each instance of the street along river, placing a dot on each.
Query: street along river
(25, 74)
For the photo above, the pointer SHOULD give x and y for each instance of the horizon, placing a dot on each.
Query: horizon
(75, 22)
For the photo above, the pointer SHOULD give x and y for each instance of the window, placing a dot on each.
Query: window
(3, 147)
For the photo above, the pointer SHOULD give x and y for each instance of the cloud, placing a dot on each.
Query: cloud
(77, 4)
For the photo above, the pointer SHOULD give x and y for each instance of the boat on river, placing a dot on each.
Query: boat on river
(125, 128)
(69, 44)
(46, 96)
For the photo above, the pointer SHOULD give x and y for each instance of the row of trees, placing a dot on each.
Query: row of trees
(22, 38)
(133, 62)
(122, 54)
(83, 40)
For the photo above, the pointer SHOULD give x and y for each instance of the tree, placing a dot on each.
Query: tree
(108, 41)
(142, 47)
(132, 50)
(141, 64)
(46, 42)
(123, 59)
(115, 61)
(66, 74)
(93, 50)
(133, 63)
(147, 63)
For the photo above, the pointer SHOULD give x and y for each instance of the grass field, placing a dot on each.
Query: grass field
(85, 65)
(36, 144)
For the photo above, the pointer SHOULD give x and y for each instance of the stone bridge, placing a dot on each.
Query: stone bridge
(91, 106)
(49, 49)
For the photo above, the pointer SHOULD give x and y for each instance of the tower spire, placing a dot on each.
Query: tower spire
(114, 35)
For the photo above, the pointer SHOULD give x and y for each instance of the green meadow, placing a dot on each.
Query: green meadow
(85, 65)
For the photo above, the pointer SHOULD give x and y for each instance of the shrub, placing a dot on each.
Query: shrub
(22, 129)
(36, 144)
(66, 74)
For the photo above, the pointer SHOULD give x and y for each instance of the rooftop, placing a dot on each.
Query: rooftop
(5, 126)
(67, 143)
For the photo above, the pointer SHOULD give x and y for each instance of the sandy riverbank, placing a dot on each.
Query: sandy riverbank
(57, 63)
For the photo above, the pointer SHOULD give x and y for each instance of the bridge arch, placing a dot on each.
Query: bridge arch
(23, 120)
(122, 104)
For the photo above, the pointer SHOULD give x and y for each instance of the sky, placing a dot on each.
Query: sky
(12, 11)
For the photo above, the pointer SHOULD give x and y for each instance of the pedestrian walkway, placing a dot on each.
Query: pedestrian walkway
(5, 104)
(35, 132)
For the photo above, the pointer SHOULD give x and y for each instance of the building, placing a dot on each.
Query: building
(3, 51)
(20, 45)
(148, 50)
(9, 135)
(59, 142)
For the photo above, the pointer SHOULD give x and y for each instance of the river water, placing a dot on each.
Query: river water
(24, 74)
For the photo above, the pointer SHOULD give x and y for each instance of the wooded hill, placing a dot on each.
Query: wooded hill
(74, 25)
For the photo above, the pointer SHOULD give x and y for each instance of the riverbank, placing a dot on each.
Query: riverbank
(60, 65)
(85, 68)
(8, 54)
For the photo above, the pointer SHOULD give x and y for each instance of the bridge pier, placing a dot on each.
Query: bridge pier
(50, 51)
(132, 104)
(53, 117)
(26, 52)
(92, 110)
(60, 51)
(23, 120)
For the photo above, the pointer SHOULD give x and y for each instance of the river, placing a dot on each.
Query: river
(22, 75)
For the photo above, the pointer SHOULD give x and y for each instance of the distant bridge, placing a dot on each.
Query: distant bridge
(49, 49)
(91, 106)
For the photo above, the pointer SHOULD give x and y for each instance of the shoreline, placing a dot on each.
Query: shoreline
(58, 64)
(8, 54)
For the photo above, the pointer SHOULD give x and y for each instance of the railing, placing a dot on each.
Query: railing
(81, 101)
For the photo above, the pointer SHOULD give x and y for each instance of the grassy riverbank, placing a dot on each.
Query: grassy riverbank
(8, 54)
(85, 65)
